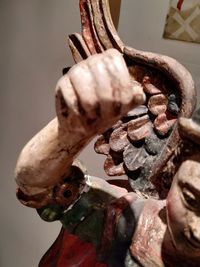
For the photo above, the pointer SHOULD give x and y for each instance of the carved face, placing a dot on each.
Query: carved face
(183, 207)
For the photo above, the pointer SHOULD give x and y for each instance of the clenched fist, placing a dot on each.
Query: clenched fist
(90, 98)
(96, 92)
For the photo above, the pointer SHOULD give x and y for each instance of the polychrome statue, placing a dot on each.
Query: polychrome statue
(140, 104)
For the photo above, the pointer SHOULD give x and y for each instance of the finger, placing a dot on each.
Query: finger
(131, 92)
(66, 100)
(133, 98)
(84, 85)
(118, 69)
(103, 86)
(119, 77)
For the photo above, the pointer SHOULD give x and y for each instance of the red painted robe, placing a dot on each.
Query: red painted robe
(70, 251)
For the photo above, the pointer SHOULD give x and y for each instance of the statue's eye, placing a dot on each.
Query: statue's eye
(190, 199)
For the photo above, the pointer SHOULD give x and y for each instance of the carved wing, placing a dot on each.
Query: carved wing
(142, 142)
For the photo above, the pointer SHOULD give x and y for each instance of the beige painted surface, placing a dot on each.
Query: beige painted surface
(33, 52)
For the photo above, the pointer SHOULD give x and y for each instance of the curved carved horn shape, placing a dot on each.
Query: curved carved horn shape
(78, 47)
(98, 30)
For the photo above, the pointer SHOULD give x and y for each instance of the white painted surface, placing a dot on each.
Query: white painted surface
(33, 52)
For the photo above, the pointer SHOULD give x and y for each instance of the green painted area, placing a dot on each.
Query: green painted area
(86, 218)
(91, 228)
(51, 213)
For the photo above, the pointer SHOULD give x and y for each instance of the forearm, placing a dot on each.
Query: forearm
(47, 156)
(46, 160)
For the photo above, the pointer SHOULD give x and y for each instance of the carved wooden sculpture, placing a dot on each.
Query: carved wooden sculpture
(133, 99)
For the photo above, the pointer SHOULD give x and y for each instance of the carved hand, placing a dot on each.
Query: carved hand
(89, 99)
(95, 93)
